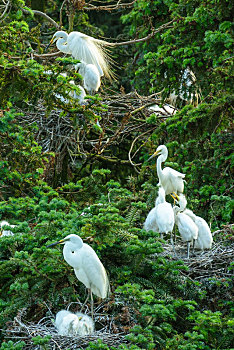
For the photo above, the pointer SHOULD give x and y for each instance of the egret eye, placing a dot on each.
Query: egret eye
(73, 251)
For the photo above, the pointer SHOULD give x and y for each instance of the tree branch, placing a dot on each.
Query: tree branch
(162, 27)
(42, 14)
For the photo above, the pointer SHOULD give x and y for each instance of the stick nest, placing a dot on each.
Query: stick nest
(212, 263)
(21, 330)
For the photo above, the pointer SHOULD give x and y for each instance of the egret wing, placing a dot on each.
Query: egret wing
(95, 272)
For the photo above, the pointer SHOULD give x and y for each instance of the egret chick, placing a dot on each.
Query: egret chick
(91, 77)
(204, 239)
(80, 97)
(187, 228)
(85, 48)
(5, 232)
(87, 266)
(164, 215)
(171, 180)
(67, 323)
(86, 324)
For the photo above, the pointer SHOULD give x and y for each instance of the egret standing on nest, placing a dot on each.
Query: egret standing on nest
(91, 77)
(87, 266)
(204, 239)
(86, 49)
(187, 228)
(171, 180)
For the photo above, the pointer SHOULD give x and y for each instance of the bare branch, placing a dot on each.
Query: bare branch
(116, 6)
(42, 14)
(162, 27)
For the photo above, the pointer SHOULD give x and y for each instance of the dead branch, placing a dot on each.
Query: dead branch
(42, 14)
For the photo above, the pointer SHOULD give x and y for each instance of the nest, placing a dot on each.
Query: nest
(212, 263)
(124, 124)
(20, 330)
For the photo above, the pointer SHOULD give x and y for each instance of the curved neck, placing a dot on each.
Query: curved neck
(62, 45)
(159, 168)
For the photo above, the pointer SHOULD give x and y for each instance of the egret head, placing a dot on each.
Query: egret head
(58, 35)
(72, 239)
(161, 150)
(181, 200)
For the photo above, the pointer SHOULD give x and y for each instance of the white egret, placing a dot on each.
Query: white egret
(161, 217)
(187, 228)
(86, 49)
(68, 323)
(76, 96)
(204, 239)
(188, 79)
(164, 215)
(86, 324)
(87, 266)
(4, 232)
(171, 180)
(90, 75)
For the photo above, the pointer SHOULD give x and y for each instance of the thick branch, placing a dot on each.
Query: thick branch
(42, 14)
(162, 27)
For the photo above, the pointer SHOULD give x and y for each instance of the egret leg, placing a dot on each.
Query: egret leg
(91, 294)
(188, 246)
(193, 245)
(85, 300)
(173, 246)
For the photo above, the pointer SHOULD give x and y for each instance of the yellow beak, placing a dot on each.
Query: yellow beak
(51, 42)
(153, 155)
(53, 244)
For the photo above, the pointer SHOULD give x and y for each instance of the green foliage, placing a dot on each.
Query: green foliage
(103, 205)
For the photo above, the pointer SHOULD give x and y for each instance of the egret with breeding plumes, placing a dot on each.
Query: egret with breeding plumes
(187, 228)
(85, 49)
(171, 180)
(87, 266)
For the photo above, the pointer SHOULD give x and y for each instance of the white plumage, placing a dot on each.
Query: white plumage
(164, 213)
(85, 48)
(204, 239)
(161, 217)
(86, 324)
(87, 266)
(90, 75)
(170, 179)
(76, 96)
(70, 324)
(187, 228)
(4, 232)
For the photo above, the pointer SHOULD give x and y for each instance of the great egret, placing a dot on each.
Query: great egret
(188, 79)
(5, 232)
(204, 239)
(86, 49)
(187, 228)
(68, 323)
(76, 96)
(161, 217)
(90, 75)
(164, 215)
(86, 324)
(87, 266)
(170, 179)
